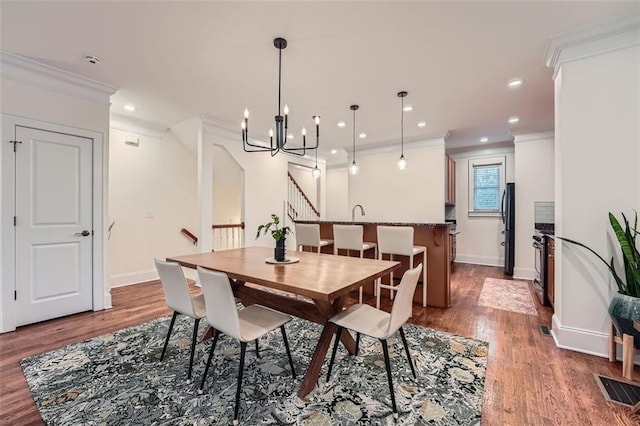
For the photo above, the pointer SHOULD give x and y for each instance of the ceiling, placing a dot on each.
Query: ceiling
(176, 60)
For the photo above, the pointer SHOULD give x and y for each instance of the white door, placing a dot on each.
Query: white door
(53, 225)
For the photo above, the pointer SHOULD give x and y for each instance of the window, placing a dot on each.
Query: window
(486, 183)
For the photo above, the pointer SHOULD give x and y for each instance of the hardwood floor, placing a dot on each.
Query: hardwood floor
(529, 381)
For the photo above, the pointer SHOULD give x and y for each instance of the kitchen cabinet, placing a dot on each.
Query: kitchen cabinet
(550, 266)
(450, 181)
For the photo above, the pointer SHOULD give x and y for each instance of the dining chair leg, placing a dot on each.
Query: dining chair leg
(424, 279)
(243, 349)
(357, 343)
(333, 352)
(391, 280)
(166, 341)
(387, 364)
(257, 350)
(194, 338)
(406, 349)
(206, 369)
(286, 346)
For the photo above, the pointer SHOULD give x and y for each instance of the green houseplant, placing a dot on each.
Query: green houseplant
(278, 233)
(625, 305)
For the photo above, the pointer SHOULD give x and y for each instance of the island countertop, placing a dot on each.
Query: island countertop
(434, 236)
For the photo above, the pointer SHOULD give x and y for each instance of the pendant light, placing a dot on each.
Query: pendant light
(281, 122)
(402, 162)
(316, 171)
(353, 168)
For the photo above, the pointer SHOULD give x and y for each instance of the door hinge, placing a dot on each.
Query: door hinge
(14, 144)
(14, 221)
(15, 294)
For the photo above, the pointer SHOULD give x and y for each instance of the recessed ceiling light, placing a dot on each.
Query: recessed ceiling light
(341, 124)
(515, 83)
(130, 107)
(422, 124)
(290, 136)
(334, 151)
(484, 139)
(514, 119)
(362, 135)
(407, 108)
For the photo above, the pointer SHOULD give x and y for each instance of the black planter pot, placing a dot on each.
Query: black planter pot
(624, 310)
(280, 251)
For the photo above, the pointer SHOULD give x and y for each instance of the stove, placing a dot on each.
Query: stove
(542, 232)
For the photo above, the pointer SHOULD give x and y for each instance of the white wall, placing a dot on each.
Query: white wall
(389, 194)
(480, 238)
(228, 187)
(597, 153)
(337, 192)
(534, 177)
(152, 195)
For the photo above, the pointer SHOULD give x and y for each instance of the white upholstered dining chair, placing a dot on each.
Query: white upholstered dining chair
(398, 240)
(308, 235)
(365, 319)
(178, 297)
(244, 325)
(351, 238)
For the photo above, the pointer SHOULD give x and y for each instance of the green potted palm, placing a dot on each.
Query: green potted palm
(625, 305)
(278, 233)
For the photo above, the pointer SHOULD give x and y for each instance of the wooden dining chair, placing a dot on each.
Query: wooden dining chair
(373, 322)
(244, 325)
(178, 297)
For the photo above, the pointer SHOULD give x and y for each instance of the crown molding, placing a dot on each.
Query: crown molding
(531, 137)
(136, 125)
(591, 41)
(35, 73)
(485, 152)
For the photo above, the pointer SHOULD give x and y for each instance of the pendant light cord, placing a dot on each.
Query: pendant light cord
(402, 128)
(354, 136)
(279, 77)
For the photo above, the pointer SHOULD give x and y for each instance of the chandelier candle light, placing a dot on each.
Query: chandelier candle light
(282, 122)
(402, 162)
(353, 168)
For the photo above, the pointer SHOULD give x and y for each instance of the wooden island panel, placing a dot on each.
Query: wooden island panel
(434, 236)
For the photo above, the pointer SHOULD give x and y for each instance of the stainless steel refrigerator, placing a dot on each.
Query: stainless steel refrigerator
(508, 213)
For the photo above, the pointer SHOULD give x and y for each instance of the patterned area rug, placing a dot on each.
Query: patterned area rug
(508, 295)
(118, 379)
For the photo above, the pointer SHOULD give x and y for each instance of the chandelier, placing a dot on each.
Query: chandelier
(282, 122)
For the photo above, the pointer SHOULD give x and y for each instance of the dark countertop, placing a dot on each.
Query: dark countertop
(344, 222)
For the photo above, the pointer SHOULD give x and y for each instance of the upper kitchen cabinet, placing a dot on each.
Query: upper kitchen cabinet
(450, 181)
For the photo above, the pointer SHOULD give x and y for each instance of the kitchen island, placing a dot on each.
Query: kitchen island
(434, 236)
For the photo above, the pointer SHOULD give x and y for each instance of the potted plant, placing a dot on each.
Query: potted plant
(625, 305)
(278, 233)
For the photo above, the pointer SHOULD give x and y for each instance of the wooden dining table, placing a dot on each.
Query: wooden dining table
(325, 279)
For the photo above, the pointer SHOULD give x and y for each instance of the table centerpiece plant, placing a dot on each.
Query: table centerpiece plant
(624, 308)
(278, 233)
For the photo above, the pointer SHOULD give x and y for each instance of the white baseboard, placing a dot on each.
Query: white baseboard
(580, 340)
(479, 260)
(129, 278)
(107, 301)
(524, 273)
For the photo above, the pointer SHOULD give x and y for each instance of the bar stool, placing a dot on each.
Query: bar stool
(350, 237)
(398, 240)
(308, 234)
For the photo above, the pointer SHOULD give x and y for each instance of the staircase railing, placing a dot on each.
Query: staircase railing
(228, 236)
(299, 205)
(187, 234)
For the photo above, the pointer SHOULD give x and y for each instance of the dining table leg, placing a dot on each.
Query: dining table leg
(312, 374)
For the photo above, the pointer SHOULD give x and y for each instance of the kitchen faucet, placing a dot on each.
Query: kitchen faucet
(353, 212)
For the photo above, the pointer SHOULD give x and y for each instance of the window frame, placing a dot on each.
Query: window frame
(499, 161)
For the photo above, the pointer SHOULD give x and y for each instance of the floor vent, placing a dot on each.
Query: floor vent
(618, 391)
(545, 330)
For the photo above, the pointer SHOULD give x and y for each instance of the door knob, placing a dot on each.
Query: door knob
(84, 233)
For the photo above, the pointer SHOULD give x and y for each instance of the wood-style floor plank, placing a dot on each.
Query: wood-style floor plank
(529, 380)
